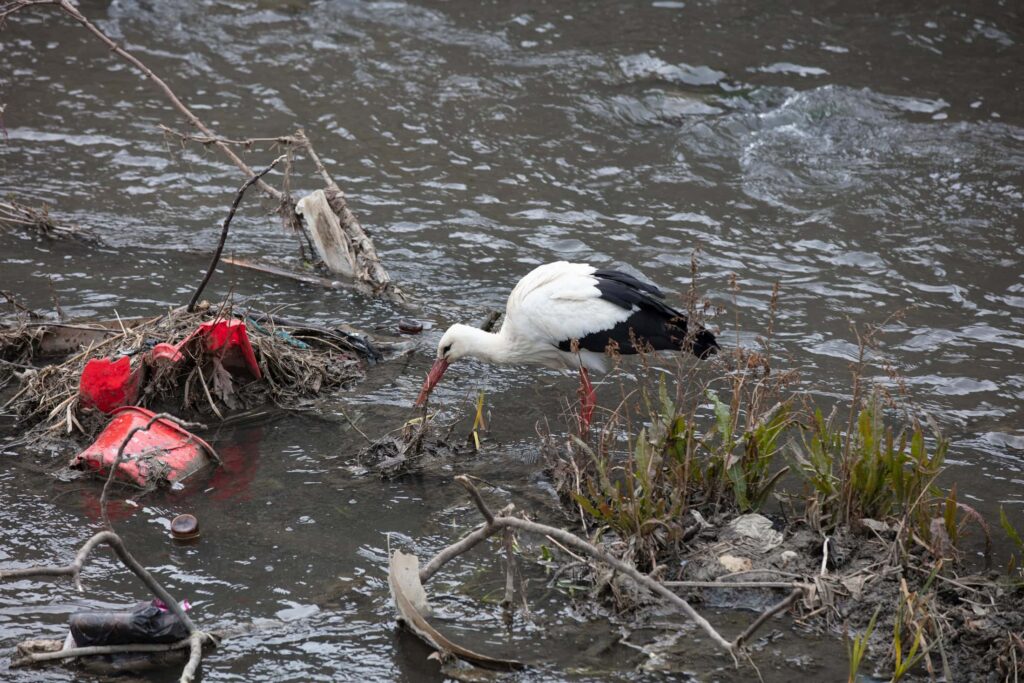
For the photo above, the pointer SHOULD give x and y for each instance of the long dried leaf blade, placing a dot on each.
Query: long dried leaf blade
(411, 602)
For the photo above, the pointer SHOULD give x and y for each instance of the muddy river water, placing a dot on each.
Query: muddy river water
(867, 155)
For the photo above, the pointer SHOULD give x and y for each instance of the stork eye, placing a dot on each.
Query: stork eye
(445, 350)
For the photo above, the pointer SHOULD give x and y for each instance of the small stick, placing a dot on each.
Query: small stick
(467, 543)
(566, 550)
(208, 140)
(510, 571)
(765, 616)
(733, 584)
(206, 390)
(474, 493)
(224, 231)
(38, 657)
(195, 656)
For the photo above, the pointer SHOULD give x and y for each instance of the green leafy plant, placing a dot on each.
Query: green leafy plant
(744, 462)
(1014, 536)
(857, 646)
(645, 496)
(871, 471)
(949, 521)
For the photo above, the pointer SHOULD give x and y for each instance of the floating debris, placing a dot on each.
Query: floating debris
(182, 363)
(163, 454)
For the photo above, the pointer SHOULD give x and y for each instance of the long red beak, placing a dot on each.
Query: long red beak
(433, 377)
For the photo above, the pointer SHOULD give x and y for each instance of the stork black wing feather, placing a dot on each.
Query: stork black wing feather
(653, 323)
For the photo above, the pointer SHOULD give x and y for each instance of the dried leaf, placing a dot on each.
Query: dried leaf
(223, 385)
(411, 602)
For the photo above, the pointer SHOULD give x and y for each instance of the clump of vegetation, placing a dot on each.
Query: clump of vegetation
(871, 471)
(683, 456)
(1015, 566)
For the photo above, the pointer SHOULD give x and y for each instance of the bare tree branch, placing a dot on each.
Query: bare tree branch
(766, 615)
(71, 653)
(467, 543)
(224, 231)
(615, 563)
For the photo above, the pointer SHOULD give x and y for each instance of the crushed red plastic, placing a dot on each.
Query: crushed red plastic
(227, 339)
(162, 454)
(108, 384)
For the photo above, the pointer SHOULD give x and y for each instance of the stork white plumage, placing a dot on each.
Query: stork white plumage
(566, 315)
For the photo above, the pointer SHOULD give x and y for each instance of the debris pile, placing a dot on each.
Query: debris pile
(213, 361)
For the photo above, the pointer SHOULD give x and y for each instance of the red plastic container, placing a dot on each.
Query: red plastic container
(107, 384)
(226, 339)
(162, 454)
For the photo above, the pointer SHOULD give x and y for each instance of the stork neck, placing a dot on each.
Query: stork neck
(487, 346)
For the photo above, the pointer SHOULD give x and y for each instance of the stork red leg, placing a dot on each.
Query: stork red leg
(588, 400)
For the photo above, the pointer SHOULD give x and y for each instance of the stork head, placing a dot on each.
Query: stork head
(453, 345)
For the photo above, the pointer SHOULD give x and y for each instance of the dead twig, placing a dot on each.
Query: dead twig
(766, 615)
(224, 230)
(510, 571)
(74, 652)
(735, 584)
(304, 278)
(467, 543)
(195, 656)
(574, 541)
(209, 140)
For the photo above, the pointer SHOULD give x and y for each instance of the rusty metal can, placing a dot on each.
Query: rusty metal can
(409, 326)
(185, 527)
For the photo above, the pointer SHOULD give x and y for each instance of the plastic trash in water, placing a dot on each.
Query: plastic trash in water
(163, 454)
(228, 340)
(146, 622)
(107, 384)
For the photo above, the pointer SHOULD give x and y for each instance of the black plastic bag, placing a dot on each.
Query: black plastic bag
(144, 623)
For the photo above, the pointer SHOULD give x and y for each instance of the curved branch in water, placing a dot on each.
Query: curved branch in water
(224, 230)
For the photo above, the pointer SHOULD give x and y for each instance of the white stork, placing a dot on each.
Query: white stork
(566, 315)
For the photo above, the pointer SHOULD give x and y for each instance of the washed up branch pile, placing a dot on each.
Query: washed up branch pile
(17, 215)
(410, 598)
(295, 363)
